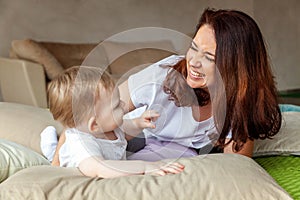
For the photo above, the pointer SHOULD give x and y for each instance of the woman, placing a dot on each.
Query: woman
(221, 94)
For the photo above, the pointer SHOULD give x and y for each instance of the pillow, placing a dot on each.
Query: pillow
(285, 142)
(70, 54)
(14, 157)
(23, 124)
(289, 108)
(213, 176)
(134, 56)
(31, 50)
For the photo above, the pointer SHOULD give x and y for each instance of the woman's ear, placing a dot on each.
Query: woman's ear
(93, 125)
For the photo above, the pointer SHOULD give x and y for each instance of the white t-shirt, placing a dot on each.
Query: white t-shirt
(175, 124)
(79, 146)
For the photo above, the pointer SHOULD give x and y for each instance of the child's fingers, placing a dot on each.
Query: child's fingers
(148, 125)
(173, 168)
(178, 165)
(175, 164)
(160, 173)
(153, 119)
(151, 114)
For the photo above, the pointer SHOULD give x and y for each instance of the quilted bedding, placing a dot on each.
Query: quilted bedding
(285, 170)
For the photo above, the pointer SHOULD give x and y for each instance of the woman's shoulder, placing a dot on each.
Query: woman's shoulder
(157, 71)
(171, 60)
(167, 62)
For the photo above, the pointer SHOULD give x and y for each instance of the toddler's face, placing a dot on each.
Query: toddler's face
(109, 109)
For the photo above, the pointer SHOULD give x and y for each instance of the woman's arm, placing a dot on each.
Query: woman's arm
(247, 149)
(95, 167)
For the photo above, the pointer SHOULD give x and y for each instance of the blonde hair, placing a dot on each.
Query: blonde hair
(72, 94)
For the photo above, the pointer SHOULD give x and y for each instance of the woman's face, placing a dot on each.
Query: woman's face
(201, 58)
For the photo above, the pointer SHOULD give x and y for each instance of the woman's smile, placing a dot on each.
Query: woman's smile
(196, 75)
(196, 79)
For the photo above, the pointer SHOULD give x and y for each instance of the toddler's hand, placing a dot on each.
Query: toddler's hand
(147, 118)
(161, 169)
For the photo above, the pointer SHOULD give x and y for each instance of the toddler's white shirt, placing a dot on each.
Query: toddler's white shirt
(79, 146)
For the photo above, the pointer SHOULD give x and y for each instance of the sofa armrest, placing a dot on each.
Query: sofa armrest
(23, 82)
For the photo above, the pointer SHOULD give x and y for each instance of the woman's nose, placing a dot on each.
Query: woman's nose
(195, 61)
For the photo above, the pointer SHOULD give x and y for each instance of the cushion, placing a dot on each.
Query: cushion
(285, 142)
(31, 50)
(23, 124)
(213, 176)
(14, 157)
(289, 108)
(131, 57)
(69, 54)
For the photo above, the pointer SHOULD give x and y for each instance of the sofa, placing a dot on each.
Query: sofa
(31, 64)
(26, 174)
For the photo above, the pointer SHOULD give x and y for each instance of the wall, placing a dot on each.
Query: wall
(85, 21)
(280, 23)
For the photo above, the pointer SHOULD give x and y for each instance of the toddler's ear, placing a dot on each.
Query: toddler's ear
(93, 125)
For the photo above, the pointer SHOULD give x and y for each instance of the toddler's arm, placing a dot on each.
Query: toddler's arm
(61, 141)
(133, 127)
(96, 167)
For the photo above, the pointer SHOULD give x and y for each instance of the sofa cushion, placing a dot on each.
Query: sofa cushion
(31, 50)
(23, 124)
(127, 58)
(122, 56)
(15, 157)
(213, 176)
(69, 54)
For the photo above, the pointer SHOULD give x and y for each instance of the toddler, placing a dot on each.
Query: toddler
(84, 101)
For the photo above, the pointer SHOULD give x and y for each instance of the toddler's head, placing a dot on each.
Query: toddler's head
(85, 96)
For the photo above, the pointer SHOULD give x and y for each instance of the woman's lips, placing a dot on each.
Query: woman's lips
(196, 75)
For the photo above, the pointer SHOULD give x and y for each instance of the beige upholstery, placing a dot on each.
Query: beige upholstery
(35, 52)
(23, 124)
(27, 175)
(22, 82)
(33, 64)
(210, 177)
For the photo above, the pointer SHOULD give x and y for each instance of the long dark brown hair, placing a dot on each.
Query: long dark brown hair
(241, 58)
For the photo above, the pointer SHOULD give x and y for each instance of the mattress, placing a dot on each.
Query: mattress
(285, 170)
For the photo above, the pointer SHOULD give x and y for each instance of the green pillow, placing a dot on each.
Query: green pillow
(14, 157)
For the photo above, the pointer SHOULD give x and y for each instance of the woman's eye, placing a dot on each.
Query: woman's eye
(193, 48)
(210, 59)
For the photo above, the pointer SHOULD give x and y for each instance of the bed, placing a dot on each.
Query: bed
(273, 173)
(285, 170)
